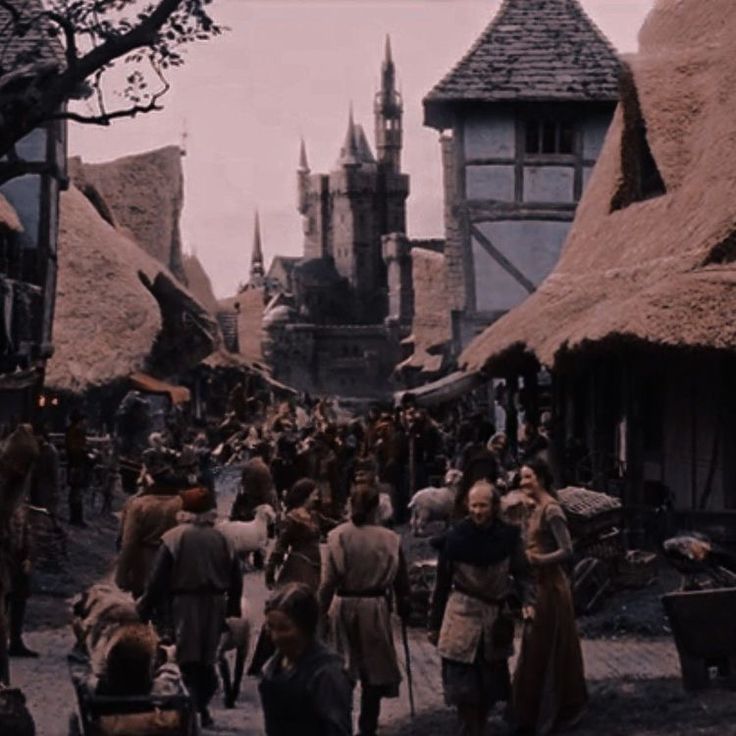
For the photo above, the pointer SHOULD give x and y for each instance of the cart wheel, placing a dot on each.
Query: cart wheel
(74, 728)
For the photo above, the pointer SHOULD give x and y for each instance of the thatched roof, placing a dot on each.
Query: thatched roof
(199, 284)
(658, 271)
(533, 50)
(9, 219)
(249, 321)
(108, 323)
(145, 194)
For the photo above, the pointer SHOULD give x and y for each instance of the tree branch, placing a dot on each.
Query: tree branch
(69, 34)
(144, 34)
(106, 118)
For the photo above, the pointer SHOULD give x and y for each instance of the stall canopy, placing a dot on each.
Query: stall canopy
(448, 388)
(151, 385)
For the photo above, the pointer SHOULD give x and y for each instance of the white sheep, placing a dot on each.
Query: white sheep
(434, 504)
(245, 537)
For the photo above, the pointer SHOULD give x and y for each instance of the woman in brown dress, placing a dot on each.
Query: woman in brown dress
(549, 691)
(295, 557)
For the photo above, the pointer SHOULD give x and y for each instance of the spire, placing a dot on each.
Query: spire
(349, 155)
(303, 163)
(256, 258)
(388, 112)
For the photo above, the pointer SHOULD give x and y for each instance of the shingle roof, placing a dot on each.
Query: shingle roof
(37, 44)
(533, 50)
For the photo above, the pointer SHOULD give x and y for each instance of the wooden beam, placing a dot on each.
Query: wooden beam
(489, 211)
(501, 259)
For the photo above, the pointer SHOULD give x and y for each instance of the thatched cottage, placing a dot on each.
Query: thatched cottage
(120, 309)
(635, 319)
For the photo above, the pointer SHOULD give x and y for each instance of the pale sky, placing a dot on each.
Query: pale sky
(291, 69)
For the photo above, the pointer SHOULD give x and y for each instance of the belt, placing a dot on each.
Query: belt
(368, 593)
(479, 596)
(199, 591)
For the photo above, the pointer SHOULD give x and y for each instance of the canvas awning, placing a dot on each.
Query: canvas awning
(448, 388)
(151, 385)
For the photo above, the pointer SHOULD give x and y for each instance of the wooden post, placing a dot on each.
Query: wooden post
(693, 441)
(512, 419)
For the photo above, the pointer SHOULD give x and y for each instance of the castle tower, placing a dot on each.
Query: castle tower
(388, 111)
(257, 271)
(349, 153)
(313, 206)
(302, 176)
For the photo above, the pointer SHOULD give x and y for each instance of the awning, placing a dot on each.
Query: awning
(445, 389)
(151, 385)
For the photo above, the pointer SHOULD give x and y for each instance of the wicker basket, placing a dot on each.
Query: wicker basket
(637, 569)
(589, 513)
(608, 545)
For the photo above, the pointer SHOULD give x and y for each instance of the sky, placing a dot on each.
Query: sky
(287, 70)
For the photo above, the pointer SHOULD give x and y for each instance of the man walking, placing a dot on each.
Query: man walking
(364, 565)
(77, 467)
(203, 579)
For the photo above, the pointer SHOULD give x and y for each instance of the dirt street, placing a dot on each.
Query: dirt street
(633, 674)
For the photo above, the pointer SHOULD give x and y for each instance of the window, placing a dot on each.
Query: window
(640, 176)
(549, 137)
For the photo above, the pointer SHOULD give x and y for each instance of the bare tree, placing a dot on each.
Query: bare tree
(54, 51)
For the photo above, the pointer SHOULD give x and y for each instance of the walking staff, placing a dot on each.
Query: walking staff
(409, 677)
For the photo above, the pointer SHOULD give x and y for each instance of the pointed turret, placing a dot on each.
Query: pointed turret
(257, 271)
(388, 111)
(349, 153)
(364, 149)
(302, 180)
(303, 163)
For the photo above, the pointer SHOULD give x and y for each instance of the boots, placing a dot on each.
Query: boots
(370, 710)
(17, 648)
(76, 515)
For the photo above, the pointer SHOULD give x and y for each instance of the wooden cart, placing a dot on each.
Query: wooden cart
(704, 628)
(116, 715)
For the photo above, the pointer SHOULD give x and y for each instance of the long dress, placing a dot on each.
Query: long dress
(549, 683)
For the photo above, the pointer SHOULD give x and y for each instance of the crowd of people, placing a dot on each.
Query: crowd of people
(339, 488)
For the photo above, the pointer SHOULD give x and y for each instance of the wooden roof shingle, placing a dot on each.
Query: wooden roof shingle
(534, 51)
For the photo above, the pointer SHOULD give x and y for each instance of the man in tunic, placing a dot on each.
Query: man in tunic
(20, 580)
(364, 566)
(197, 570)
(77, 464)
(17, 456)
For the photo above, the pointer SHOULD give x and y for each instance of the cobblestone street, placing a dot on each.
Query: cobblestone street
(48, 688)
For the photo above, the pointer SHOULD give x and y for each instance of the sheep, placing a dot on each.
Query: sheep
(121, 649)
(245, 537)
(434, 504)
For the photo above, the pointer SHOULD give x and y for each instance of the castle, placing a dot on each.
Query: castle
(327, 324)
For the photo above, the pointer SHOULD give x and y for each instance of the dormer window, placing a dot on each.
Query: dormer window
(640, 176)
(549, 137)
